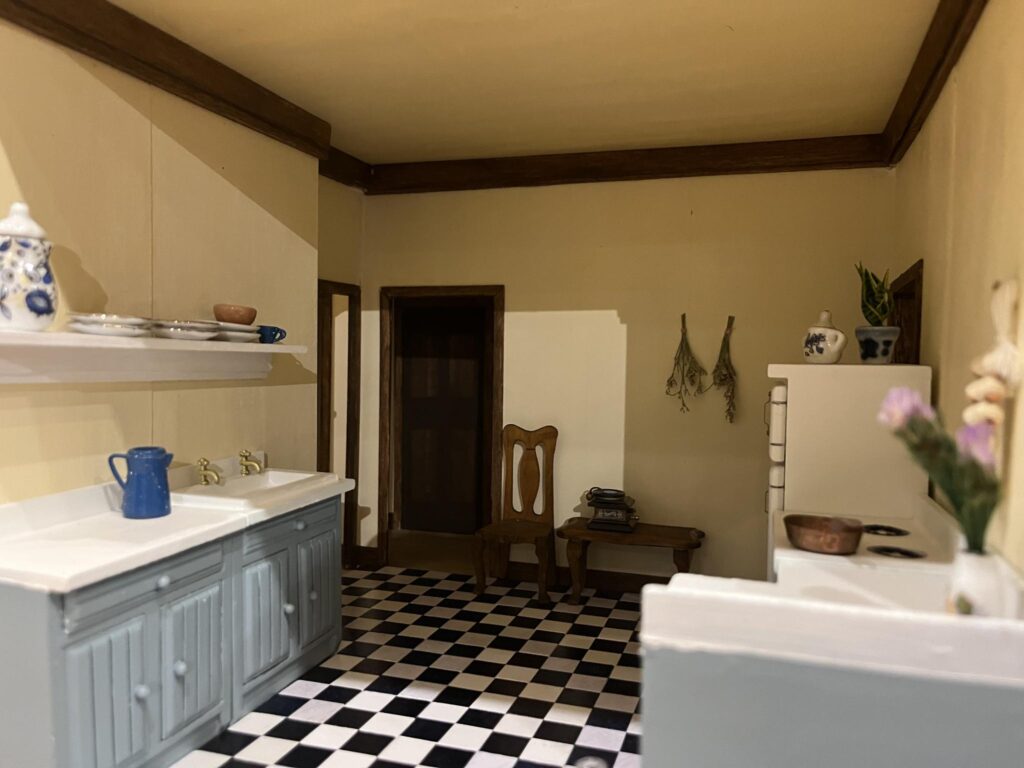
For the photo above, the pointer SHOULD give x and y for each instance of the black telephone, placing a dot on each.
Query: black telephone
(613, 510)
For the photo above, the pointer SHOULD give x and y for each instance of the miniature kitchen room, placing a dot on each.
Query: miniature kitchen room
(511, 384)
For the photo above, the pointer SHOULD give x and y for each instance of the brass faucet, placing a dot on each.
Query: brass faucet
(248, 464)
(206, 474)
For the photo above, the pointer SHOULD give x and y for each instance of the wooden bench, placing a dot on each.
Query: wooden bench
(681, 540)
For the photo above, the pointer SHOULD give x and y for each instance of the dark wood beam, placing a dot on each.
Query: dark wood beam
(629, 165)
(105, 32)
(346, 169)
(945, 40)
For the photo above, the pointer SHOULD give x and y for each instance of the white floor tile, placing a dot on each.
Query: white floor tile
(329, 736)
(256, 723)
(201, 759)
(446, 713)
(371, 701)
(601, 738)
(266, 749)
(518, 725)
(406, 750)
(468, 737)
(547, 752)
(348, 760)
(387, 724)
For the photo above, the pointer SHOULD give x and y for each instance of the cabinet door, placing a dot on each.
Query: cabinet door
(266, 614)
(107, 696)
(319, 576)
(192, 657)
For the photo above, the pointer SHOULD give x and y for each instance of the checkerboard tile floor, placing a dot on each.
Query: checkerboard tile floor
(430, 675)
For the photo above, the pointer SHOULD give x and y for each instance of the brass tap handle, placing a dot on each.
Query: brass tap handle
(248, 464)
(206, 474)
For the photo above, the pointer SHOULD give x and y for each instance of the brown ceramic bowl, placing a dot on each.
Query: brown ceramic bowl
(234, 313)
(824, 535)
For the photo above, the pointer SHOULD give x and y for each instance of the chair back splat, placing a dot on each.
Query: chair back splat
(530, 470)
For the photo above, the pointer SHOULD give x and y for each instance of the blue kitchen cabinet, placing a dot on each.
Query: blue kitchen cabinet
(192, 657)
(289, 611)
(139, 669)
(108, 696)
(319, 591)
(267, 610)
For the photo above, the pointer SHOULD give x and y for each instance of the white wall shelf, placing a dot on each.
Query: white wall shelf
(58, 357)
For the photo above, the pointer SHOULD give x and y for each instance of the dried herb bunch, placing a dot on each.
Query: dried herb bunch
(724, 375)
(687, 377)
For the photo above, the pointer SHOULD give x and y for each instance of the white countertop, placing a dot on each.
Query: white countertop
(66, 541)
(706, 614)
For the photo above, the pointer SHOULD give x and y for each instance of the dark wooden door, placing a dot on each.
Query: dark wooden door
(443, 360)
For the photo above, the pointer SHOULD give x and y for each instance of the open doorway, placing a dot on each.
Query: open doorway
(338, 355)
(442, 351)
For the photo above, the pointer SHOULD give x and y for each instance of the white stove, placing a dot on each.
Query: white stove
(904, 561)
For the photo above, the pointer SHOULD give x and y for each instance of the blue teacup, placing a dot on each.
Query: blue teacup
(271, 334)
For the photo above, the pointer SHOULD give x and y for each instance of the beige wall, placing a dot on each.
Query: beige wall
(960, 206)
(596, 277)
(155, 207)
(341, 231)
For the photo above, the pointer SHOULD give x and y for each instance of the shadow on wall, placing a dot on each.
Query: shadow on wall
(79, 290)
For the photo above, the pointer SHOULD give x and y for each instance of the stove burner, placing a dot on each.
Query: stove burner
(885, 530)
(900, 552)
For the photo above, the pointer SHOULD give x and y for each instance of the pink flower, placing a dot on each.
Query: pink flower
(902, 404)
(977, 442)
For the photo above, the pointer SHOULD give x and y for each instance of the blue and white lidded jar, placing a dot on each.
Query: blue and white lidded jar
(28, 292)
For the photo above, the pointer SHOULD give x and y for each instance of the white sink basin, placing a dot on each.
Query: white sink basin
(263, 491)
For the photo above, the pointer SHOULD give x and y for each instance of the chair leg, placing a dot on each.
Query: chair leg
(503, 552)
(479, 550)
(542, 545)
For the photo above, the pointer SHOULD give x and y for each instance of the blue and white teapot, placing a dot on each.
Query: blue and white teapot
(28, 292)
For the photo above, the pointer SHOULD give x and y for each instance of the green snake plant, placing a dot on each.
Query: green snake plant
(875, 296)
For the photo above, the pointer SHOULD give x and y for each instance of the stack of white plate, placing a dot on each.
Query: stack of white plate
(99, 324)
(187, 330)
(237, 332)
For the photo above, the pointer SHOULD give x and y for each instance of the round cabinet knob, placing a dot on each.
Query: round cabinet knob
(180, 668)
(141, 692)
(163, 582)
(313, 595)
(288, 609)
(300, 525)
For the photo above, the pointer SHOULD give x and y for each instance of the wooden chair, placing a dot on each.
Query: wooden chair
(525, 525)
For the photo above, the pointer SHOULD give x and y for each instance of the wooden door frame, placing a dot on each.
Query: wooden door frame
(908, 300)
(326, 291)
(388, 380)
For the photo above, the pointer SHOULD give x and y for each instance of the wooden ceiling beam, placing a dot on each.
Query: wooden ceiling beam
(628, 165)
(945, 40)
(346, 169)
(110, 34)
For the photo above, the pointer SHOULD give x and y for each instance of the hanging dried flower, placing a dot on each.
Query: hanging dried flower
(724, 375)
(686, 379)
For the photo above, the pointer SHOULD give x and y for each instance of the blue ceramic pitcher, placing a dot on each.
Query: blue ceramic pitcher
(146, 493)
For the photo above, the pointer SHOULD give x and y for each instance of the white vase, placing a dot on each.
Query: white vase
(979, 586)
(28, 292)
(824, 343)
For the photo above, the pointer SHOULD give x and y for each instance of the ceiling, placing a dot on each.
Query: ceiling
(414, 80)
